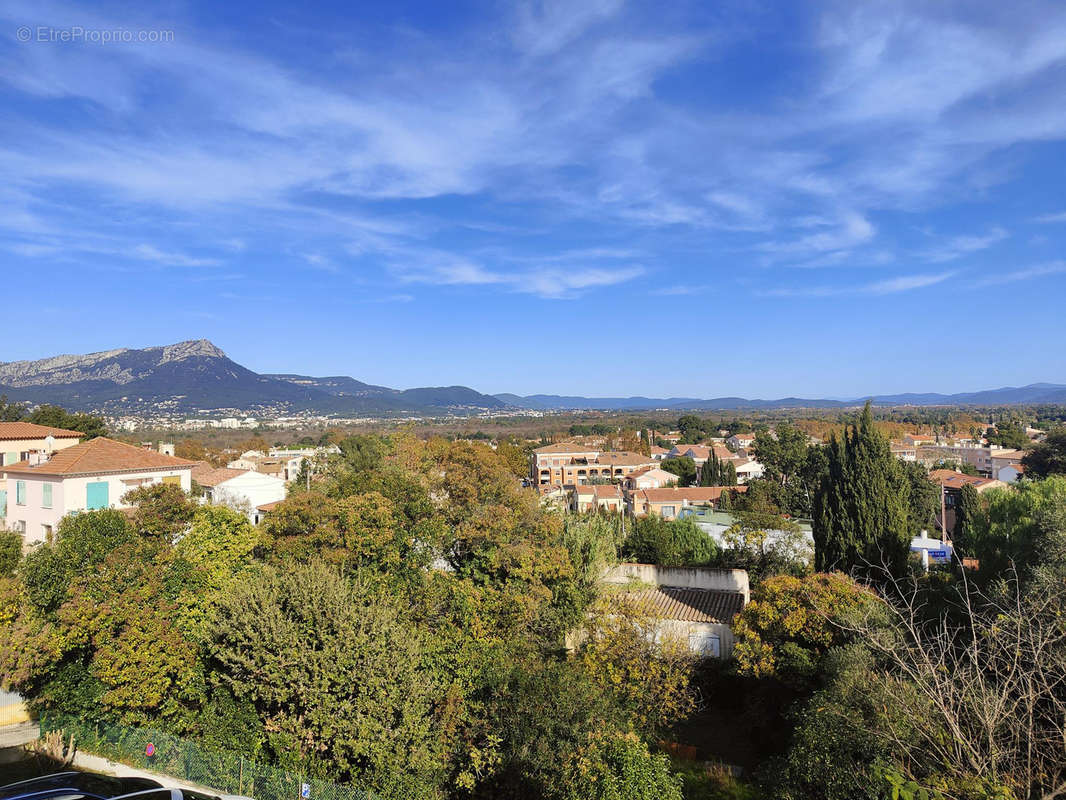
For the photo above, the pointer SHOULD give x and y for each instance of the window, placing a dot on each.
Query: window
(20, 493)
(96, 495)
(47, 531)
(668, 511)
(46, 495)
(706, 644)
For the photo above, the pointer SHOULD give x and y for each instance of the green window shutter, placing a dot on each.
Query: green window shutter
(11, 458)
(46, 496)
(20, 493)
(3, 503)
(96, 495)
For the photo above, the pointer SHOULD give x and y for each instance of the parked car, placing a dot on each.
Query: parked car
(170, 794)
(75, 786)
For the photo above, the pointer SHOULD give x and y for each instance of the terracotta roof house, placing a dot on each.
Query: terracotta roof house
(243, 490)
(570, 465)
(606, 497)
(953, 483)
(92, 475)
(693, 604)
(668, 503)
(951, 479)
(650, 478)
(19, 439)
(547, 464)
(701, 452)
(624, 458)
(689, 605)
(14, 432)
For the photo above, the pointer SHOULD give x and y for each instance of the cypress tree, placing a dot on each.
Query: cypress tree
(729, 474)
(861, 506)
(711, 471)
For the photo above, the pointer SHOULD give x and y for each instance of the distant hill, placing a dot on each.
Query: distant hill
(1033, 394)
(194, 376)
(198, 376)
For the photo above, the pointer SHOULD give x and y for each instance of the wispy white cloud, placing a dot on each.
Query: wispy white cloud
(959, 246)
(902, 283)
(149, 252)
(1052, 218)
(679, 290)
(564, 118)
(1028, 273)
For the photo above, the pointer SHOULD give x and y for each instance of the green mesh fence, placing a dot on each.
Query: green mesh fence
(183, 759)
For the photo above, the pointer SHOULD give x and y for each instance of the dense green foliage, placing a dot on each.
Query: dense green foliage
(1048, 457)
(671, 543)
(683, 467)
(57, 417)
(715, 472)
(1008, 434)
(861, 509)
(399, 626)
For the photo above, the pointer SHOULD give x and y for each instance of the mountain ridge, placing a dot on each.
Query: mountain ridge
(197, 376)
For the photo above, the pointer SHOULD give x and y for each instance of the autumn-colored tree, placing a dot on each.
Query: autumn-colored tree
(160, 509)
(790, 624)
(648, 673)
(191, 449)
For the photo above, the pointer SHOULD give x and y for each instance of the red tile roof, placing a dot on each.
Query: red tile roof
(956, 480)
(209, 476)
(623, 458)
(694, 494)
(687, 605)
(98, 456)
(603, 491)
(28, 430)
(566, 447)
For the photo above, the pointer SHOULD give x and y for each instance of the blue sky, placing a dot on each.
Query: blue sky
(757, 199)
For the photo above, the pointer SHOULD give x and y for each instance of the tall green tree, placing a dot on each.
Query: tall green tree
(11, 412)
(861, 509)
(1048, 457)
(333, 673)
(684, 468)
(57, 417)
(924, 496)
(790, 461)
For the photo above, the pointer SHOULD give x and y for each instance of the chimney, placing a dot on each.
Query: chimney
(38, 457)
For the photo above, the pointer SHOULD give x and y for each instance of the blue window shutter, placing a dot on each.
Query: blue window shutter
(20, 493)
(96, 495)
(46, 495)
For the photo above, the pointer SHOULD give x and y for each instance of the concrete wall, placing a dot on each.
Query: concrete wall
(723, 580)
